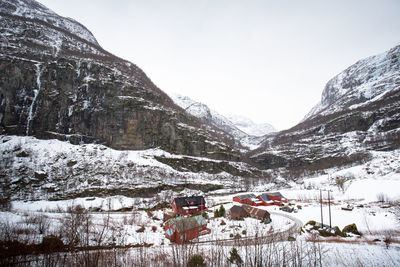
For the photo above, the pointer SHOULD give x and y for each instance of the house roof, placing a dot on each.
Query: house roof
(238, 212)
(256, 213)
(249, 196)
(183, 201)
(182, 224)
(265, 197)
(237, 209)
(275, 194)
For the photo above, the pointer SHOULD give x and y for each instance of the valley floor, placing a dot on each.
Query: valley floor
(379, 222)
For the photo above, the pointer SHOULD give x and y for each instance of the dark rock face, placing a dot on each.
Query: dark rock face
(59, 83)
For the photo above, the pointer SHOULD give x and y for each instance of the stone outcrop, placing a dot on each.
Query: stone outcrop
(57, 82)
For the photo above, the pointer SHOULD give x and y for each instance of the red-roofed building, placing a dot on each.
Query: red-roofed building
(274, 198)
(183, 229)
(249, 199)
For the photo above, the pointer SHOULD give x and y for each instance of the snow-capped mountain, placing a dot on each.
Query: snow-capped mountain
(57, 82)
(250, 127)
(359, 113)
(129, 137)
(366, 81)
(32, 10)
(243, 130)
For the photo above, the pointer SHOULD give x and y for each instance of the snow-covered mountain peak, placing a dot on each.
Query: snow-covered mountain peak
(250, 127)
(242, 129)
(33, 10)
(368, 79)
(196, 109)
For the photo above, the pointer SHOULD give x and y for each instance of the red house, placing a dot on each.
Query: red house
(249, 199)
(189, 205)
(265, 199)
(276, 197)
(183, 229)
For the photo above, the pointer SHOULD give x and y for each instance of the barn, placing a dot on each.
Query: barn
(238, 212)
(249, 199)
(265, 199)
(257, 213)
(277, 197)
(183, 229)
(189, 205)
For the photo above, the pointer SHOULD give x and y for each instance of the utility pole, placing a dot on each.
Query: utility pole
(329, 203)
(320, 200)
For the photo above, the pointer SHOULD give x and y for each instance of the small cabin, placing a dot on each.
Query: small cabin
(189, 205)
(249, 199)
(183, 229)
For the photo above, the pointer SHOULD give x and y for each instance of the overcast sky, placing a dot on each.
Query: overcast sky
(266, 60)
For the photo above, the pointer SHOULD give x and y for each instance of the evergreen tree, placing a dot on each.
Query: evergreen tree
(234, 257)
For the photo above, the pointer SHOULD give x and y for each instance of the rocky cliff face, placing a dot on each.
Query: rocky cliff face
(57, 82)
(359, 113)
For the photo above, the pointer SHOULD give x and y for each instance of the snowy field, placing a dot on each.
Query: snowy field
(372, 188)
(139, 227)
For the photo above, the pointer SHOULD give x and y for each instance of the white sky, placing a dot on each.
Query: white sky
(266, 60)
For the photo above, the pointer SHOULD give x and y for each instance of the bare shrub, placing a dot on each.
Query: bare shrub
(5, 203)
(382, 197)
(76, 226)
(340, 183)
(141, 229)
(388, 238)
(42, 222)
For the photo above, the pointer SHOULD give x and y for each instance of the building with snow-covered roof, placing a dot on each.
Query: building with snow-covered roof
(189, 205)
(272, 198)
(265, 199)
(249, 199)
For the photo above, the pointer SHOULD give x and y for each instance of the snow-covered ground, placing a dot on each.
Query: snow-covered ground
(372, 188)
(137, 227)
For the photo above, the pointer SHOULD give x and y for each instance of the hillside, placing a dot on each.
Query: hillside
(52, 169)
(359, 113)
(57, 82)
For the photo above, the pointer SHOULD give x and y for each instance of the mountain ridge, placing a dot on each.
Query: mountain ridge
(54, 84)
(244, 131)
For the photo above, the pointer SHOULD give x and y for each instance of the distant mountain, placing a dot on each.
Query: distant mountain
(251, 128)
(359, 113)
(243, 130)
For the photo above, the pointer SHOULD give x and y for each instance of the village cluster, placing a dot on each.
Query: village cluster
(188, 220)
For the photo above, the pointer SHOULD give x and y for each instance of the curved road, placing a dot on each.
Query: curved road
(273, 236)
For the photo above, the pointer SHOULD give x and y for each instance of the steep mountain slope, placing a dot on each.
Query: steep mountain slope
(51, 169)
(359, 113)
(57, 82)
(365, 81)
(245, 132)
